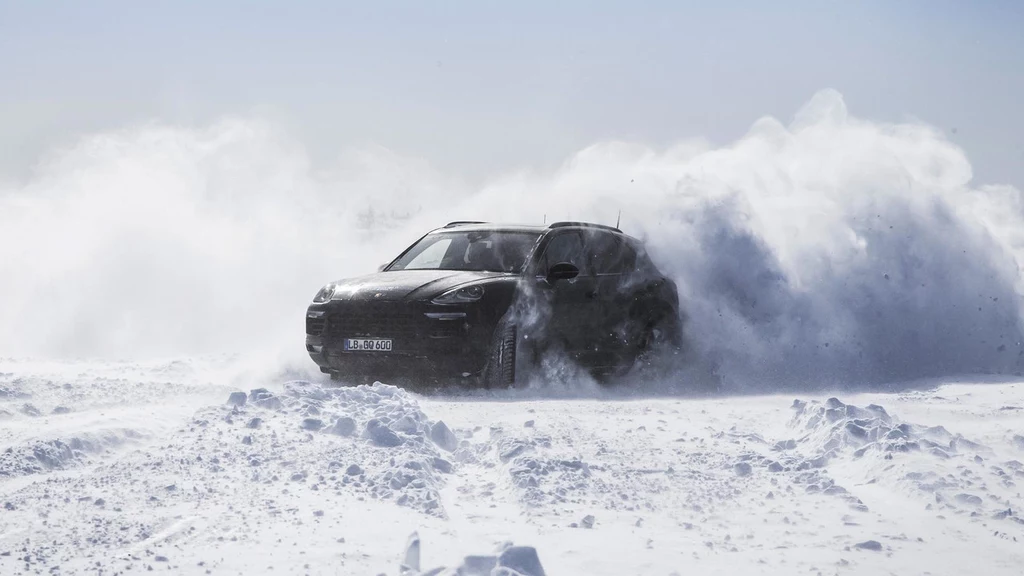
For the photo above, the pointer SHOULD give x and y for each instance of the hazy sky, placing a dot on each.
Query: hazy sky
(481, 87)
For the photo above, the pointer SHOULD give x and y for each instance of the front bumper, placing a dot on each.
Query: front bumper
(427, 339)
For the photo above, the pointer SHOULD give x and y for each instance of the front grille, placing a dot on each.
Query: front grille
(368, 323)
(388, 320)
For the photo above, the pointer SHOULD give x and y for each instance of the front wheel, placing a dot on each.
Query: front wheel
(500, 370)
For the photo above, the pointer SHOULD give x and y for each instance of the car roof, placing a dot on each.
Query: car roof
(474, 226)
(469, 225)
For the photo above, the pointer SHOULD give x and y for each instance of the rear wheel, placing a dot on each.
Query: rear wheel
(658, 346)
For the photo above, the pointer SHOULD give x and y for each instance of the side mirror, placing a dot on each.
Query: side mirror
(562, 271)
(381, 267)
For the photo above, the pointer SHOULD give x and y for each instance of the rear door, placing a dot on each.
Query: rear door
(611, 260)
(572, 305)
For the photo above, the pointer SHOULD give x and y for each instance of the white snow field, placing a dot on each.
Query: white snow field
(120, 468)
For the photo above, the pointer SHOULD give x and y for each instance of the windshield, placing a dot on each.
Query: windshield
(478, 250)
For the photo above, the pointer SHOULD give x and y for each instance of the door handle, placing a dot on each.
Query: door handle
(592, 294)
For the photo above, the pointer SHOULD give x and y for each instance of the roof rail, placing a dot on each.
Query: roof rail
(583, 225)
(462, 222)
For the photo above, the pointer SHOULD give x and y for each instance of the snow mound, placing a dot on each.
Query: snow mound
(57, 416)
(373, 440)
(41, 456)
(287, 457)
(954, 471)
(58, 389)
(541, 472)
(834, 426)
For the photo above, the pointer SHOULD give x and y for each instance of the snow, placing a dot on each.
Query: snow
(166, 465)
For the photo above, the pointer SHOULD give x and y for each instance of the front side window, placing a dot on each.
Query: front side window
(476, 250)
(431, 256)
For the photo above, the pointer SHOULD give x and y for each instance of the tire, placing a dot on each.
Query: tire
(500, 371)
(659, 345)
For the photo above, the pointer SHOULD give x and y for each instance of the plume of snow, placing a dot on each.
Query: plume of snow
(828, 250)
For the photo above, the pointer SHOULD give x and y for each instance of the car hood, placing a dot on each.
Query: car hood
(407, 284)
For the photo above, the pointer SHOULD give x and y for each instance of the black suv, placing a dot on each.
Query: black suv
(486, 303)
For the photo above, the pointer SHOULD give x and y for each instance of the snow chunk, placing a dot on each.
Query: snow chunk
(443, 437)
(742, 469)
(344, 426)
(1018, 442)
(523, 559)
(510, 560)
(968, 499)
(312, 424)
(381, 435)
(783, 445)
(265, 399)
(406, 424)
(510, 447)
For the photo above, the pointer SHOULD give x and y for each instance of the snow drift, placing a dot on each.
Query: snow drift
(828, 251)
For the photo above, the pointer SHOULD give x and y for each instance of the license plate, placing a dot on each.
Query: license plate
(368, 344)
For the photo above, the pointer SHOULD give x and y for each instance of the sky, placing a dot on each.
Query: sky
(478, 89)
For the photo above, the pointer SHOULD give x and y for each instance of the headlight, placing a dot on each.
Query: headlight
(325, 294)
(459, 295)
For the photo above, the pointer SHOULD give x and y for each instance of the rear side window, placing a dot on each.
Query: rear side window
(566, 247)
(609, 254)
